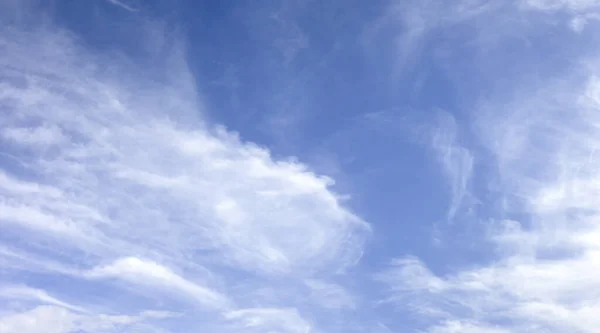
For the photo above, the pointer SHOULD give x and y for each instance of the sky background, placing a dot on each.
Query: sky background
(299, 166)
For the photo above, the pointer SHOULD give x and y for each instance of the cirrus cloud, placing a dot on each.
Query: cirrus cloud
(110, 174)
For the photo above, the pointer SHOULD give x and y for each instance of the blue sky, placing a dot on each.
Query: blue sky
(299, 166)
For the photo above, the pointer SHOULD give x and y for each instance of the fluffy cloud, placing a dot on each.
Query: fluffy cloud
(110, 175)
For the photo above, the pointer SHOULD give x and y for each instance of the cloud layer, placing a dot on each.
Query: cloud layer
(124, 207)
(111, 178)
(542, 276)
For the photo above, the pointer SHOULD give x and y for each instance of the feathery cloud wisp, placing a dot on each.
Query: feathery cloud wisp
(109, 174)
(544, 277)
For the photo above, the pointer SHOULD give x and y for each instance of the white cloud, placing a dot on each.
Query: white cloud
(21, 292)
(457, 161)
(151, 274)
(16, 260)
(111, 175)
(42, 135)
(580, 11)
(224, 194)
(579, 22)
(465, 327)
(439, 134)
(55, 319)
(414, 276)
(414, 22)
(330, 295)
(572, 5)
(270, 320)
(545, 276)
(123, 5)
(40, 320)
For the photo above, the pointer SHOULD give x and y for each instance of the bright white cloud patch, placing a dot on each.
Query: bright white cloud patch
(109, 175)
(112, 166)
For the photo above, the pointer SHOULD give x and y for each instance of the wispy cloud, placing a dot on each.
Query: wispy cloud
(580, 12)
(21, 292)
(123, 5)
(56, 319)
(105, 169)
(50, 314)
(278, 320)
(456, 160)
(124, 208)
(439, 134)
(330, 295)
(412, 23)
(571, 5)
(110, 174)
(542, 278)
(151, 274)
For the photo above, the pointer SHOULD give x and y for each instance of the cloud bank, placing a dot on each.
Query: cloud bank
(110, 178)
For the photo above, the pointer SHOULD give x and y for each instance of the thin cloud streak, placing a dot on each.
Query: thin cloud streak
(150, 274)
(21, 292)
(123, 5)
(279, 320)
(456, 160)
